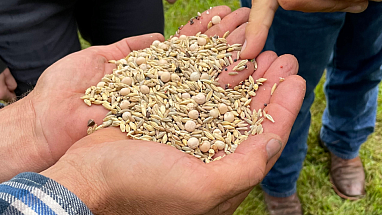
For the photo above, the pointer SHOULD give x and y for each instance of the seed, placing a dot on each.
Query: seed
(127, 80)
(219, 144)
(124, 91)
(200, 98)
(101, 84)
(126, 116)
(193, 114)
(216, 20)
(183, 37)
(273, 88)
(217, 131)
(165, 77)
(195, 76)
(162, 62)
(194, 47)
(229, 117)
(214, 113)
(190, 126)
(124, 104)
(91, 123)
(206, 145)
(186, 96)
(202, 41)
(204, 76)
(163, 46)
(193, 143)
(140, 60)
(175, 77)
(145, 89)
(222, 108)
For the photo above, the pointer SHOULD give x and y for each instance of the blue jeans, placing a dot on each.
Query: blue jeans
(349, 46)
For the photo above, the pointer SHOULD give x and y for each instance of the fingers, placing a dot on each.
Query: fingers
(260, 20)
(122, 48)
(9, 80)
(353, 6)
(6, 93)
(230, 22)
(282, 67)
(200, 24)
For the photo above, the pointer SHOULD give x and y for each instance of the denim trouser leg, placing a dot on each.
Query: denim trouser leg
(311, 37)
(352, 81)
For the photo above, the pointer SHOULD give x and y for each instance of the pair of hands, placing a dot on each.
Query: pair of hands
(7, 86)
(114, 175)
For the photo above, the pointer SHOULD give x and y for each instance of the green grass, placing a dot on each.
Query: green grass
(313, 186)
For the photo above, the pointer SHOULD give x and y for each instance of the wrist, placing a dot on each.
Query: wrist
(21, 148)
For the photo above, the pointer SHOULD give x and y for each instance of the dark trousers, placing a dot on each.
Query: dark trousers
(35, 34)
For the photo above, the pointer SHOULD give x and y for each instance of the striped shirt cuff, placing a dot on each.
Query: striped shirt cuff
(32, 193)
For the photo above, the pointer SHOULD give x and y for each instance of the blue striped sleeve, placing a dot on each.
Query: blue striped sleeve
(32, 193)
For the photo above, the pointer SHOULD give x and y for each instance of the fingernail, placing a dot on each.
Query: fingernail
(244, 45)
(354, 9)
(273, 147)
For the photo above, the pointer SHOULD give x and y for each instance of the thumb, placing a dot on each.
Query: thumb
(256, 33)
(10, 80)
(246, 167)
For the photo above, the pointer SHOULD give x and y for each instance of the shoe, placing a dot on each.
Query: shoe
(283, 205)
(347, 177)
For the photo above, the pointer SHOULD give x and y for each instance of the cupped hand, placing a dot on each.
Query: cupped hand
(7, 86)
(61, 116)
(263, 11)
(112, 175)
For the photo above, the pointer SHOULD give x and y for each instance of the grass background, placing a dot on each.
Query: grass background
(313, 186)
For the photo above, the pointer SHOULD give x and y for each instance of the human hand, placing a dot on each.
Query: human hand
(112, 175)
(7, 86)
(263, 11)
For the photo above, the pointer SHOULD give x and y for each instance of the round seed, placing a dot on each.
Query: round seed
(214, 113)
(143, 66)
(216, 20)
(156, 43)
(145, 89)
(140, 60)
(194, 47)
(131, 59)
(193, 114)
(126, 116)
(204, 76)
(190, 126)
(124, 91)
(163, 46)
(160, 73)
(174, 39)
(124, 104)
(101, 84)
(186, 96)
(219, 144)
(183, 37)
(175, 77)
(193, 142)
(195, 76)
(217, 131)
(162, 62)
(200, 98)
(202, 41)
(190, 106)
(222, 108)
(206, 145)
(229, 117)
(165, 77)
(127, 80)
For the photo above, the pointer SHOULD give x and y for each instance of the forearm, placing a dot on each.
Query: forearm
(20, 145)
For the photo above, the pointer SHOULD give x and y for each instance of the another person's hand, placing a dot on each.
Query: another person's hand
(7, 86)
(171, 1)
(112, 175)
(263, 11)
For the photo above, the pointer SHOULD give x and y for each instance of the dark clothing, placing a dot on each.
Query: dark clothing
(35, 34)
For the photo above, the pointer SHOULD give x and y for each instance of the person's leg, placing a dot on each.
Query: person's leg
(104, 22)
(33, 35)
(352, 83)
(310, 37)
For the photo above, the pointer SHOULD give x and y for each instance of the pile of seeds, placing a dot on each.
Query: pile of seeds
(169, 93)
